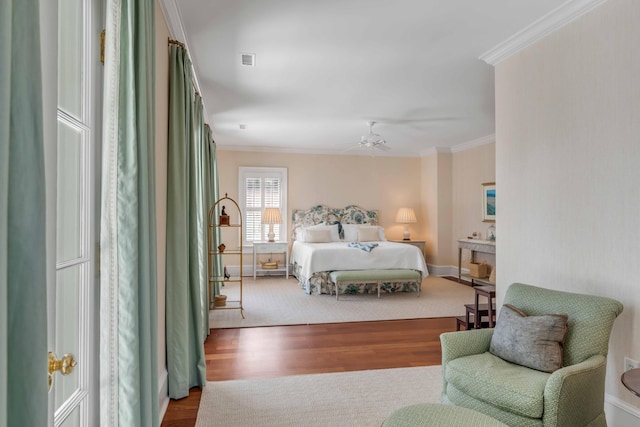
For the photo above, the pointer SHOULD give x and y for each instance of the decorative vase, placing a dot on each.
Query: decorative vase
(491, 233)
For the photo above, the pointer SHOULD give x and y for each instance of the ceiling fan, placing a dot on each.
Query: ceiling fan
(373, 140)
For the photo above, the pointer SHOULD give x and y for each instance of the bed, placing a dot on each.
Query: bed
(328, 239)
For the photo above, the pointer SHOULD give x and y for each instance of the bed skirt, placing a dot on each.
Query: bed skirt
(320, 283)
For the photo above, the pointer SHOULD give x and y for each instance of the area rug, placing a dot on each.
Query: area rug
(361, 398)
(270, 301)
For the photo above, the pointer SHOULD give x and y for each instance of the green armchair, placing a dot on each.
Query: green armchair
(519, 396)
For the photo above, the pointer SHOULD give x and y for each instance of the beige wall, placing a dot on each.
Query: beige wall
(445, 197)
(436, 190)
(162, 113)
(385, 184)
(443, 188)
(471, 168)
(567, 152)
(429, 202)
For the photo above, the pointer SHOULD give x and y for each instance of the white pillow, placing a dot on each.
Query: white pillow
(351, 232)
(335, 232)
(368, 234)
(301, 233)
(318, 236)
(381, 235)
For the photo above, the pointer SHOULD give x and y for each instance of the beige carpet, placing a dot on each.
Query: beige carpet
(362, 398)
(272, 301)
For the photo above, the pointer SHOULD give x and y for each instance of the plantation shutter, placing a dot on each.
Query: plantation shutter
(253, 208)
(260, 193)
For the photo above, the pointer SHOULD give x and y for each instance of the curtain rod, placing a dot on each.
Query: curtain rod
(178, 43)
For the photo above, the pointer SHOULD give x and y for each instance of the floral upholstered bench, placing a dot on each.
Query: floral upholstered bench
(351, 277)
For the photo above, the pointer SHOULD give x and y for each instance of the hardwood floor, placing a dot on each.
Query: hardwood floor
(274, 351)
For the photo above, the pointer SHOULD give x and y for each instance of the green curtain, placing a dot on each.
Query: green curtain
(186, 256)
(198, 223)
(128, 299)
(23, 292)
(214, 194)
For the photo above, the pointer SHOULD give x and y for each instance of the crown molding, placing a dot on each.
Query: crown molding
(174, 20)
(489, 139)
(435, 150)
(474, 143)
(540, 29)
(311, 151)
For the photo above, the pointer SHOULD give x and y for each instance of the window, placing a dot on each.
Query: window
(262, 188)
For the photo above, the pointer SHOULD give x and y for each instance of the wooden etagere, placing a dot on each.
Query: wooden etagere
(214, 250)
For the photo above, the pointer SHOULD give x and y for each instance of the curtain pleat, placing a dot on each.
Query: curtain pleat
(23, 292)
(129, 365)
(199, 211)
(214, 194)
(186, 255)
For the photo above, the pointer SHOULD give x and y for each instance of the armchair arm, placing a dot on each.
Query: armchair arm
(574, 395)
(460, 344)
(464, 343)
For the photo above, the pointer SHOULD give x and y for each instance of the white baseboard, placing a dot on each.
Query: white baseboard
(619, 413)
(247, 270)
(445, 270)
(163, 393)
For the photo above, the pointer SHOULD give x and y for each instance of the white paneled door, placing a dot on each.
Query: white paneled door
(72, 305)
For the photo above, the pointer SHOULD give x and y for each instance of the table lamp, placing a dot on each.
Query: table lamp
(406, 216)
(271, 216)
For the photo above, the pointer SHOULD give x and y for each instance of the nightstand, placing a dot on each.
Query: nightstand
(270, 248)
(420, 244)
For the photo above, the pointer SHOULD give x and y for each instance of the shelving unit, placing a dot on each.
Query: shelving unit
(215, 251)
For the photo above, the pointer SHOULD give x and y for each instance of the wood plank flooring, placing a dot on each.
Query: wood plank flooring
(267, 352)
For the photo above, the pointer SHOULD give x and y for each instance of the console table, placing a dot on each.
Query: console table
(474, 246)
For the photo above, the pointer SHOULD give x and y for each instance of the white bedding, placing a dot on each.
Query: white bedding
(317, 257)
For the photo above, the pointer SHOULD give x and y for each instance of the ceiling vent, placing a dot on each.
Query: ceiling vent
(248, 59)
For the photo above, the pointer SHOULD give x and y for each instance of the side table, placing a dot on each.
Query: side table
(631, 380)
(271, 248)
(420, 244)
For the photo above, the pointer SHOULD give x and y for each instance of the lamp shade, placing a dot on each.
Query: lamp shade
(406, 216)
(271, 216)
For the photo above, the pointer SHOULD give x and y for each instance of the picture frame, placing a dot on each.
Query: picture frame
(489, 202)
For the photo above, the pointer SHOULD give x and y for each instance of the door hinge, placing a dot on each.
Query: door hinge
(102, 37)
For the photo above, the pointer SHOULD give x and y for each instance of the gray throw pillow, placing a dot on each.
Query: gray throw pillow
(532, 341)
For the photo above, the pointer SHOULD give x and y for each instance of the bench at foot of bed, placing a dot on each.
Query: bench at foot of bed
(352, 277)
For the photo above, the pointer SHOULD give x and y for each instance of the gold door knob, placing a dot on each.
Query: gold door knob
(64, 365)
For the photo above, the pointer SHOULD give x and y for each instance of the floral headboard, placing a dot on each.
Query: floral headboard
(323, 214)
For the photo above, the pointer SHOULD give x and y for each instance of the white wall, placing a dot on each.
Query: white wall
(567, 169)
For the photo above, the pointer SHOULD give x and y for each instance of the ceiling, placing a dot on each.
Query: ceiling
(323, 68)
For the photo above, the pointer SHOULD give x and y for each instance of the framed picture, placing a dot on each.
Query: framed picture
(489, 202)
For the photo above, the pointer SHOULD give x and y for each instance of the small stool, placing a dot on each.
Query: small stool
(488, 291)
(437, 414)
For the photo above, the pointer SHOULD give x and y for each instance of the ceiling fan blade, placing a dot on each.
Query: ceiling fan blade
(382, 147)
